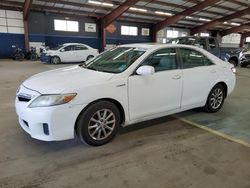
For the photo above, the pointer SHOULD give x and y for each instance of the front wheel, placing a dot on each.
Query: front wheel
(215, 99)
(99, 123)
(55, 60)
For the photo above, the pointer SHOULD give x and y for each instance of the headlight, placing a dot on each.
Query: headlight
(52, 100)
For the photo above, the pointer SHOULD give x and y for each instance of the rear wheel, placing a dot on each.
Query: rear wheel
(55, 60)
(99, 123)
(215, 99)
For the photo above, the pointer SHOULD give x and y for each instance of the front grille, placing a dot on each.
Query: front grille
(247, 56)
(24, 97)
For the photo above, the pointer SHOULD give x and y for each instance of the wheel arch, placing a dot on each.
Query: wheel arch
(115, 102)
(224, 86)
(90, 55)
(52, 56)
(234, 58)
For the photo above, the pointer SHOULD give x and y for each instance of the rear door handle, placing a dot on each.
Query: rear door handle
(176, 77)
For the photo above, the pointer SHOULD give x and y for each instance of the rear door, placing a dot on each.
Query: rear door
(82, 52)
(199, 76)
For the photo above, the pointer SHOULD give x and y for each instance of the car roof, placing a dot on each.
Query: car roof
(66, 44)
(157, 45)
(195, 37)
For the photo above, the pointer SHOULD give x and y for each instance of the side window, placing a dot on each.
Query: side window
(162, 60)
(192, 58)
(201, 42)
(68, 48)
(80, 47)
(207, 61)
(211, 43)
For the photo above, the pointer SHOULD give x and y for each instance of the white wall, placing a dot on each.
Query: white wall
(232, 40)
(11, 21)
(162, 34)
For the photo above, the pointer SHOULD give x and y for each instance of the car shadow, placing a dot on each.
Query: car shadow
(54, 146)
(145, 124)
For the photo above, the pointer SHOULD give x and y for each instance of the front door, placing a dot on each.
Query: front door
(159, 92)
(68, 54)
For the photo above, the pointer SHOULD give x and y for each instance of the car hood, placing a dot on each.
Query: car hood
(65, 79)
(50, 51)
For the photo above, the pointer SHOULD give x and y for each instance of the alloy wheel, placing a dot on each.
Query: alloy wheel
(216, 98)
(101, 124)
(55, 60)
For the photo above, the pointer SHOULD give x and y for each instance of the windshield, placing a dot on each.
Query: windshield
(187, 41)
(57, 48)
(115, 60)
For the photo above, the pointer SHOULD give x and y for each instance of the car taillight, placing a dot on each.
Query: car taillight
(233, 70)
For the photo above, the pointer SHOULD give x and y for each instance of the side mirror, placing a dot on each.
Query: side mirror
(145, 70)
(62, 50)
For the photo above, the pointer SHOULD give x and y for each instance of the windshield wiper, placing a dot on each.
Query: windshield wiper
(82, 65)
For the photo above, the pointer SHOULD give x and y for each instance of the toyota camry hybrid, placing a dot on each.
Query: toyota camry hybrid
(122, 86)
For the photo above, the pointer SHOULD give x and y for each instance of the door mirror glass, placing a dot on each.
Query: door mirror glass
(145, 70)
(62, 50)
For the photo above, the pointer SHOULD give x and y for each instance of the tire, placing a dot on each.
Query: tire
(91, 124)
(233, 62)
(215, 99)
(89, 57)
(55, 60)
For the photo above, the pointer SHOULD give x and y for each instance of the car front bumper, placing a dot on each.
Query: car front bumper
(45, 58)
(48, 123)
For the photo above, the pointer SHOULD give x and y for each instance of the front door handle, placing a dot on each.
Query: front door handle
(176, 77)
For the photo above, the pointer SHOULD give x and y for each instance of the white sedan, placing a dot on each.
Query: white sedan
(69, 52)
(122, 86)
